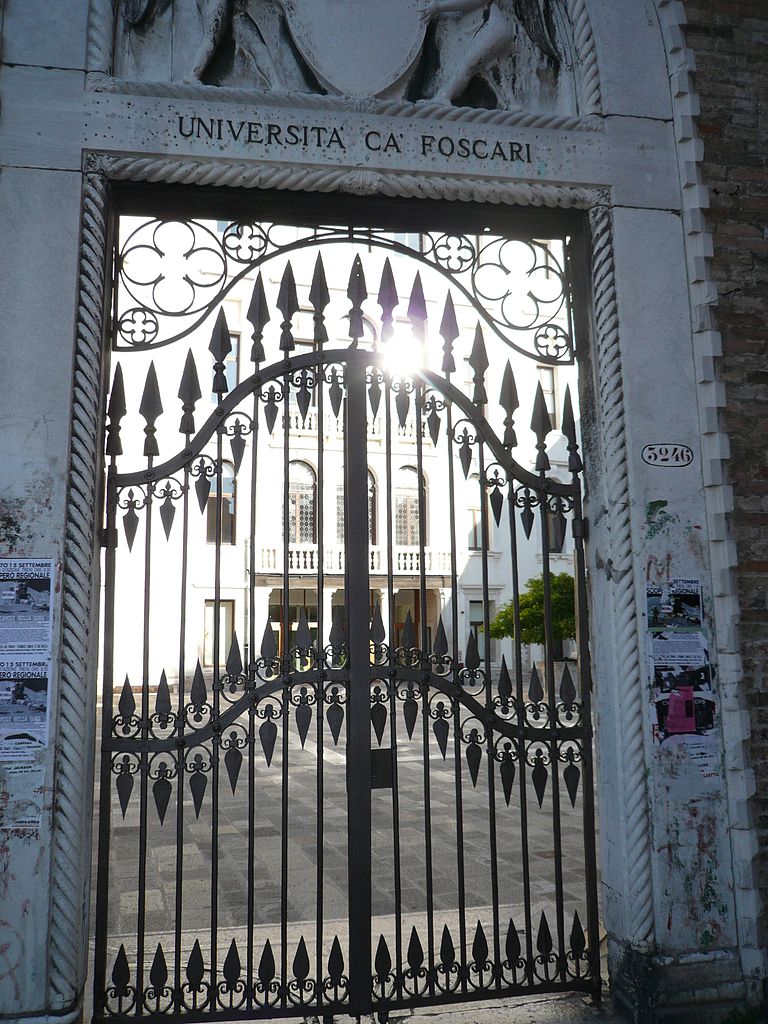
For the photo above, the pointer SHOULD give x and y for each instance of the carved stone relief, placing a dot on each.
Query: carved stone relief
(497, 54)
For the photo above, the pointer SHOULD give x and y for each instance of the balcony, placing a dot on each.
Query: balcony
(303, 560)
(332, 428)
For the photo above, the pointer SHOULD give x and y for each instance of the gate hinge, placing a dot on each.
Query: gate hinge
(581, 529)
(108, 537)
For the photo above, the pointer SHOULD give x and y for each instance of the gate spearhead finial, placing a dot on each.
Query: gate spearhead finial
(288, 304)
(268, 644)
(220, 346)
(116, 410)
(509, 403)
(449, 332)
(258, 317)
(377, 632)
(150, 408)
(190, 394)
(417, 310)
(387, 299)
(541, 425)
(337, 635)
(478, 360)
(319, 296)
(357, 294)
(575, 464)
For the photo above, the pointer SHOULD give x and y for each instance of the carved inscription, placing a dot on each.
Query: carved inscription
(274, 135)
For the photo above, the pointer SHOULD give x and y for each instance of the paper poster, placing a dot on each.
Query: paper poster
(674, 605)
(26, 606)
(24, 692)
(682, 686)
(684, 702)
(26, 616)
(22, 792)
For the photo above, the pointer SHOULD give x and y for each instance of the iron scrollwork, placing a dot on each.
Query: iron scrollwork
(176, 273)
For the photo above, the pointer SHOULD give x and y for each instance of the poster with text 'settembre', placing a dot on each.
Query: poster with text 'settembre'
(26, 612)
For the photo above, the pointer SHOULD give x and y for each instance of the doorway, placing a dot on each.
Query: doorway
(335, 790)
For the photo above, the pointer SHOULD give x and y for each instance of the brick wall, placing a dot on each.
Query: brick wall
(730, 41)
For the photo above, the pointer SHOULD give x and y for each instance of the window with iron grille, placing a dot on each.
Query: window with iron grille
(407, 507)
(474, 514)
(475, 538)
(227, 506)
(372, 498)
(302, 494)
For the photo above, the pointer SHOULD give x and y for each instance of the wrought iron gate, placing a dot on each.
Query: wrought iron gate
(324, 787)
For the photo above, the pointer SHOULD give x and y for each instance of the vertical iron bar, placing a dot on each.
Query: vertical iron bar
(552, 701)
(393, 683)
(521, 742)
(588, 784)
(359, 729)
(216, 740)
(286, 680)
(457, 760)
(144, 769)
(321, 674)
(252, 684)
(105, 768)
(180, 775)
(492, 838)
(425, 652)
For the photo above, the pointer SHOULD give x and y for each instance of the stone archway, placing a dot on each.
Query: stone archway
(621, 245)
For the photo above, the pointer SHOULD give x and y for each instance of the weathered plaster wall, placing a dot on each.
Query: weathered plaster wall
(728, 39)
(40, 204)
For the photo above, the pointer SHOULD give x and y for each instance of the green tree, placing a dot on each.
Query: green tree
(563, 605)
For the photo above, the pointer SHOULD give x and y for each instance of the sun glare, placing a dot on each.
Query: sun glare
(404, 355)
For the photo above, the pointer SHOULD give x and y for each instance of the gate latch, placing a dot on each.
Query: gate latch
(381, 768)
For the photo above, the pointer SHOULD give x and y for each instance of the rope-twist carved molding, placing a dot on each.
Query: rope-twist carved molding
(247, 174)
(100, 38)
(588, 72)
(73, 781)
(639, 908)
(101, 33)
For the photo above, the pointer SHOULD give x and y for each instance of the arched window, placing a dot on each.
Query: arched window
(302, 494)
(227, 506)
(407, 506)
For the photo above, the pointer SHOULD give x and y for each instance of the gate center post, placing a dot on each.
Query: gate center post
(358, 640)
